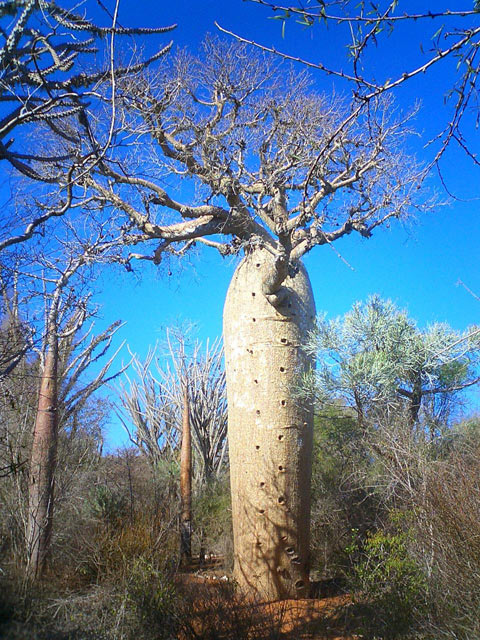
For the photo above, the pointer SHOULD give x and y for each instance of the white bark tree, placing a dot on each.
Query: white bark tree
(47, 83)
(278, 170)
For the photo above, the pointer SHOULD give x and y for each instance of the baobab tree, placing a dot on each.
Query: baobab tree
(277, 170)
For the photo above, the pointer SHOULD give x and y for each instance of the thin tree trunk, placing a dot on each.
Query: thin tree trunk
(415, 404)
(186, 483)
(42, 467)
(270, 433)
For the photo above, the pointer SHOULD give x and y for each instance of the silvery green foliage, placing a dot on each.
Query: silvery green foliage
(375, 358)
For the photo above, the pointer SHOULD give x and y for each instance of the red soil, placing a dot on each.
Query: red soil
(216, 612)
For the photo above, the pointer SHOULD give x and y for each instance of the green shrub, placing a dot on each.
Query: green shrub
(212, 518)
(152, 595)
(387, 580)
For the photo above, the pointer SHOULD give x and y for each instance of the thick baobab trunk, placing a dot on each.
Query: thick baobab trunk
(270, 432)
(186, 483)
(42, 468)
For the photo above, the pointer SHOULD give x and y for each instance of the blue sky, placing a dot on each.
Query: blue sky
(417, 264)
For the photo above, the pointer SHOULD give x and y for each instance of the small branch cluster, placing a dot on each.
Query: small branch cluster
(454, 37)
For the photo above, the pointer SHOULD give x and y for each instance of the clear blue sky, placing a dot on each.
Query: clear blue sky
(417, 264)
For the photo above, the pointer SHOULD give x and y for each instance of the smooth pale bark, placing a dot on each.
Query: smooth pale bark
(186, 483)
(270, 433)
(42, 468)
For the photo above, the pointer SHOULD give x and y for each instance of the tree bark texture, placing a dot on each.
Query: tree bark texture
(42, 468)
(270, 432)
(186, 483)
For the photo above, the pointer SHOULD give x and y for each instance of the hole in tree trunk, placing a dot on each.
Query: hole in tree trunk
(262, 511)
(284, 402)
(256, 381)
(280, 437)
(283, 340)
(257, 447)
(281, 499)
(289, 550)
(262, 484)
(257, 412)
(254, 319)
(280, 468)
(299, 584)
(282, 369)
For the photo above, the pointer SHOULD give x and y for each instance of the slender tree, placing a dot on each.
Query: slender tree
(186, 481)
(153, 402)
(278, 170)
(64, 357)
(184, 400)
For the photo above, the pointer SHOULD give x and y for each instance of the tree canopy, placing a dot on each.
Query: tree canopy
(377, 360)
(260, 156)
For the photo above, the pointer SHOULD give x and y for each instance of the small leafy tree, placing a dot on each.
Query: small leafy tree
(377, 361)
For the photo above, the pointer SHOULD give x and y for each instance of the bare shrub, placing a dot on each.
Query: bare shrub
(449, 535)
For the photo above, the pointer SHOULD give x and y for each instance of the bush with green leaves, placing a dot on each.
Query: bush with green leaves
(341, 499)
(386, 578)
(212, 516)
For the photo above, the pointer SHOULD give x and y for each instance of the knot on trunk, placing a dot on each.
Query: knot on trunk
(275, 275)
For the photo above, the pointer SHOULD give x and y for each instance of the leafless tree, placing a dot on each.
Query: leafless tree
(183, 403)
(48, 77)
(154, 403)
(65, 353)
(275, 169)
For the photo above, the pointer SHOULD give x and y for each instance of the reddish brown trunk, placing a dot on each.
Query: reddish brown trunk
(186, 483)
(42, 468)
